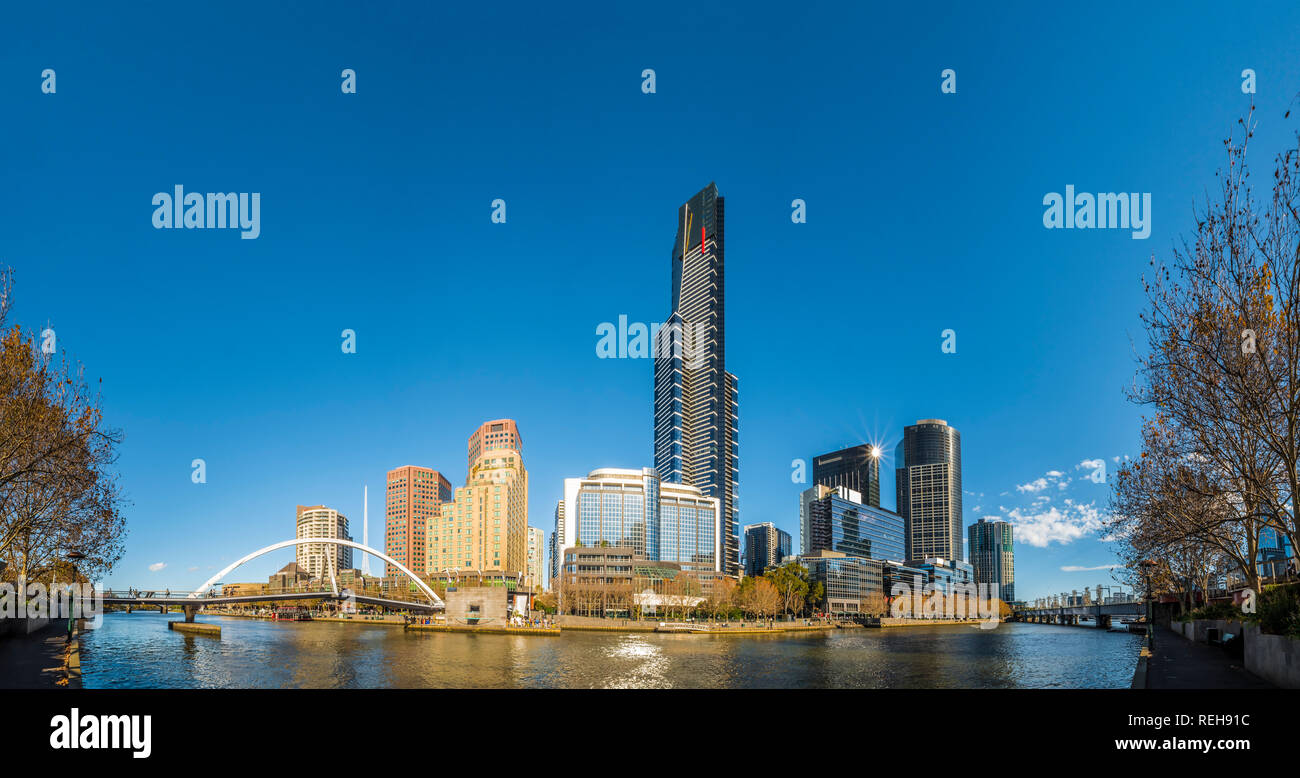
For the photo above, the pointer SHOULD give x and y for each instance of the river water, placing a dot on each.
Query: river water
(138, 651)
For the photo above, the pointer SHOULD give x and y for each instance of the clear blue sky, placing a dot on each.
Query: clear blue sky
(924, 213)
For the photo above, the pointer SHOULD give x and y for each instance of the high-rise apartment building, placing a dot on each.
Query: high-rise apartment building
(928, 473)
(765, 546)
(535, 572)
(856, 467)
(413, 500)
(992, 555)
(495, 435)
(557, 538)
(484, 525)
(321, 560)
(695, 398)
(659, 520)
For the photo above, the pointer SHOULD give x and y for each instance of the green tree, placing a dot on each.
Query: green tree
(791, 583)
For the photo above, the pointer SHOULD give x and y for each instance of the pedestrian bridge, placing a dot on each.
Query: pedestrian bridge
(203, 596)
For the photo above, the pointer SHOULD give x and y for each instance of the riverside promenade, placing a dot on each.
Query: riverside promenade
(1179, 663)
(42, 659)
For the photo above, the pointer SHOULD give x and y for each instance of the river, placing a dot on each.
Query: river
(138, 651)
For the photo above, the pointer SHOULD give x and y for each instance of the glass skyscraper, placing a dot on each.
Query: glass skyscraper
(854, 467)
(696, 399)
(928, 473)
(837, 520)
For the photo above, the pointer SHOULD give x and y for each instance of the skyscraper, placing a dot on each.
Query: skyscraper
(320, 560)
(838, 520)
(696, 399)
(993, 556)
(928, 473)
(484, 525)
(857, 467)
(413, 500)
(557, 542)
(491, 436)
(765, 546)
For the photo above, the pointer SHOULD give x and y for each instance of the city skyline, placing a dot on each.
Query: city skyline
(205, 339)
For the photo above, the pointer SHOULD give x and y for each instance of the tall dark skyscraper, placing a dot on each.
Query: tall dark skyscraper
(856, 467)
(928, 462)
(765, 546)
(695, 411)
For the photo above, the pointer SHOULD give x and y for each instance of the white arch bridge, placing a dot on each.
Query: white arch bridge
(201, 596)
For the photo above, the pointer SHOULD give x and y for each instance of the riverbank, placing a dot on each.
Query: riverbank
(484, 629)
(41, 659)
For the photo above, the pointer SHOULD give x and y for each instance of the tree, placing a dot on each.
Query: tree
(58, 492)
(791, 583)
(1221, 453)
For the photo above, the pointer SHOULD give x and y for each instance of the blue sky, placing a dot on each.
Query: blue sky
(924, 213)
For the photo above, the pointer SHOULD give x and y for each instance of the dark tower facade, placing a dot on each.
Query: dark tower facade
(928, 473)
(696, 399)
(854, 467)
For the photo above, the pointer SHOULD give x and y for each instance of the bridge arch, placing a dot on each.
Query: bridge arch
(434, 598)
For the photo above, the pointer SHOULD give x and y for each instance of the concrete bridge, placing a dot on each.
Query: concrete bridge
(1072, 615)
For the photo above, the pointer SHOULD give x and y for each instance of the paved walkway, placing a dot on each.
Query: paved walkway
(33, 661)
(1178, 663)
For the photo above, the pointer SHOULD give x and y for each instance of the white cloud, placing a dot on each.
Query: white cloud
(1036, 485)
(1039, 526)
(192, 568)
(156, 566)
(1082, 569)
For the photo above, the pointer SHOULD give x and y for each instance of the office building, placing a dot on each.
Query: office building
(413, 500)
(853, 585)
(836, 519)
(928, 479)
(992, 556)
(321, 560)
(856, 467)
(765, 546)
(695, 398)
(659, 520)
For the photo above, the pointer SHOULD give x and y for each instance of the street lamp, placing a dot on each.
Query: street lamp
(73, 557)
(1148, 566)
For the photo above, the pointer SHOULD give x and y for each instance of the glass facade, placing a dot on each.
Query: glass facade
(849, 581)
(633, 509)
(838, 521)
(853, 467)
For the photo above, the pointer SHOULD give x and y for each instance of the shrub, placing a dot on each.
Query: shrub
(1218, 610)
(1278, 610)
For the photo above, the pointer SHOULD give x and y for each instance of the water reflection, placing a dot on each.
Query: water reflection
(138, 651)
